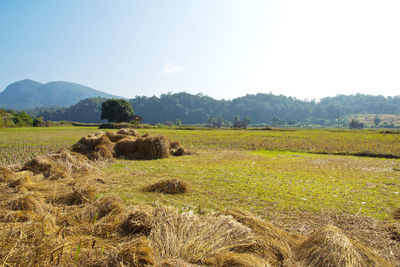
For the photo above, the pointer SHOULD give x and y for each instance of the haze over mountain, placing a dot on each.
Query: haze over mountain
(27, 94)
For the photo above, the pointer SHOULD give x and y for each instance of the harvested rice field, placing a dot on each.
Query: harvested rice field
(213, 198)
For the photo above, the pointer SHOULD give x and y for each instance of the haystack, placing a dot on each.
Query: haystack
(46, 165)
(170, 186)
(194, 238)
(329, 246)
(232, 259)
(95, 147)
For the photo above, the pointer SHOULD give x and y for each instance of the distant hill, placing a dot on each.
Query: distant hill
(28, 94)
(274, 110)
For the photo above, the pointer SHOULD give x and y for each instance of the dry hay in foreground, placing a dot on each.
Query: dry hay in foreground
(170, 186)
(329, 246)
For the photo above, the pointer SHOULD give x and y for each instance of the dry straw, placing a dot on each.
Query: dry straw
(329, 246)
(170, 186)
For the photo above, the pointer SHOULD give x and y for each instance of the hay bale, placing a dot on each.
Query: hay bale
(46, 165)
(138, 222)
(329, 246)
(156, 147)
(78, 196)
(130, 132)
(396, 214)
(170, 186)
(26, 202)
(138, 252)
(107, 204)
(228, 259)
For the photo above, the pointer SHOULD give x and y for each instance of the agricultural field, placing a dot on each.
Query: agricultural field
(299, 180)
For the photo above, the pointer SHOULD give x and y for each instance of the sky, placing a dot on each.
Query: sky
(307, 49)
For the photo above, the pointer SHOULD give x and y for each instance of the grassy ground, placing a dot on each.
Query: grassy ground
(247, 169)
(266, 182)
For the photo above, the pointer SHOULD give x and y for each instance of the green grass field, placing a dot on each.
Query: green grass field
(261, 171)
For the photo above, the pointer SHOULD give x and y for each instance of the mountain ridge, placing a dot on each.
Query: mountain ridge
(29, 94)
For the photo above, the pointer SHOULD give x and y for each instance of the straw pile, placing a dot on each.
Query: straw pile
(127, 143)
(170, 186)
(329, 246)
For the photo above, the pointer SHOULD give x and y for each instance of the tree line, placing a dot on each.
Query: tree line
(270, 109)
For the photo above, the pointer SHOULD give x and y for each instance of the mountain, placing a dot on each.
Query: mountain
(28, 94)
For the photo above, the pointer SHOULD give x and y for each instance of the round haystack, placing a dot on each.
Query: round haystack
(153, 147)
(46, 165)
(396, 214)
(126, 131)
(138, 222)
(170, 186)
(228, 259)
(329, 246)
(156, 147)
(138, 252)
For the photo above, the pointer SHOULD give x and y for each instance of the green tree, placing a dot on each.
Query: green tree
(38, 121)
(117, 110)
(247, 120)
(377, 120)
(178, 122)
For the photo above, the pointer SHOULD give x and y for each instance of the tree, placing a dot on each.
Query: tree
(247, 120)
(178, 122)
(117, 110)
(377, 120)
(355, 124)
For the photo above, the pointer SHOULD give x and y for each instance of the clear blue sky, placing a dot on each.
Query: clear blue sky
(222, 48)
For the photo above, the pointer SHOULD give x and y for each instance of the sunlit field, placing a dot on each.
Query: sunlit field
(298, 179)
